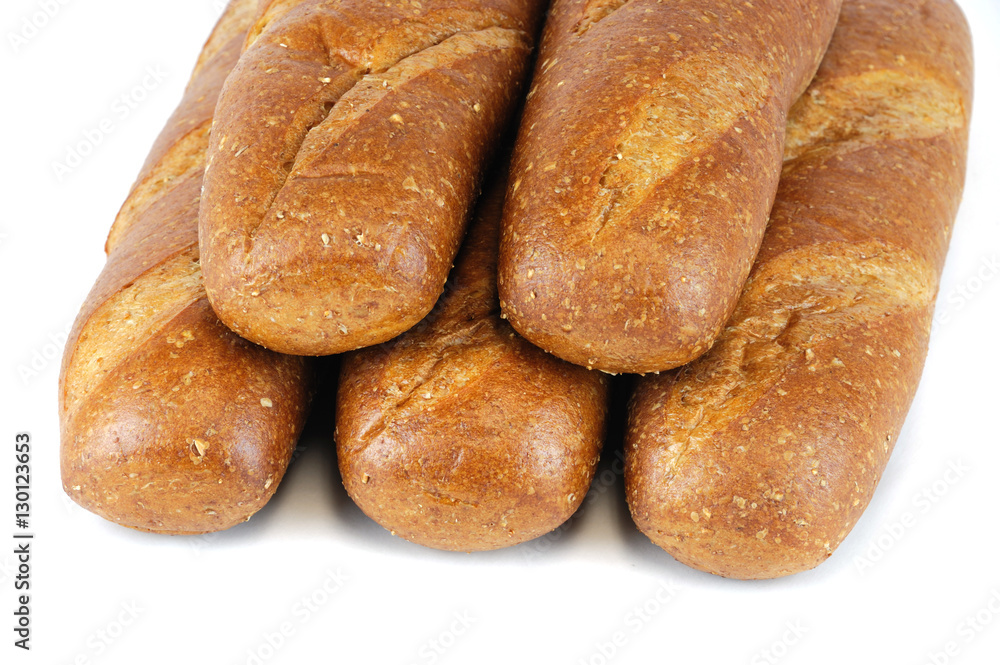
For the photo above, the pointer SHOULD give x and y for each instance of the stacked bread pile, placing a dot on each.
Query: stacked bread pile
(748, 204)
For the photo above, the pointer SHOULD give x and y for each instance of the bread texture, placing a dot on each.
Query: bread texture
(347, 153)
(645, 167)
(459, 434)
(170, 422)
(756, 460)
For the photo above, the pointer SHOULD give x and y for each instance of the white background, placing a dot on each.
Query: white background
(560, 599)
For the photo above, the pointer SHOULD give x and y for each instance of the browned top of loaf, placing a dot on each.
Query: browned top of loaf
(647, 162)
(459, 434)
(346, 156)
(757, 459)
(163, 415)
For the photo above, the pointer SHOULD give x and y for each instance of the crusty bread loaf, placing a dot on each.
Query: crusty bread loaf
(459, 434)
(646, 164)
(170, 422)
(756, 460)
(347, 153)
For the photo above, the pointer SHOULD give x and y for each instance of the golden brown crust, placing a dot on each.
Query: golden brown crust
(756, 460)
(170, 422)
(646, 164)
(459, 434)
(347, 152)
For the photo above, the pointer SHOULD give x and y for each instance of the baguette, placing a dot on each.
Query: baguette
(169, 421)
(757, 460)
(646, 164)
(459, 434)
(348, 149)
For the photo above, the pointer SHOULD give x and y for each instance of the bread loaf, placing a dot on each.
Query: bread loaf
(646, 163)
(757, 460)
(459, 434)
(347, 153)
(170, 422)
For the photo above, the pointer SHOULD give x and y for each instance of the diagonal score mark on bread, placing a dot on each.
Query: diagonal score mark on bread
(681, 118)
(596, 11)
(463, 356)
(399, 53)
(342, 116)
(855, 111)
(268, 11)
(185, 157)
(797, 300)
(231, 23)
(127, 319)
